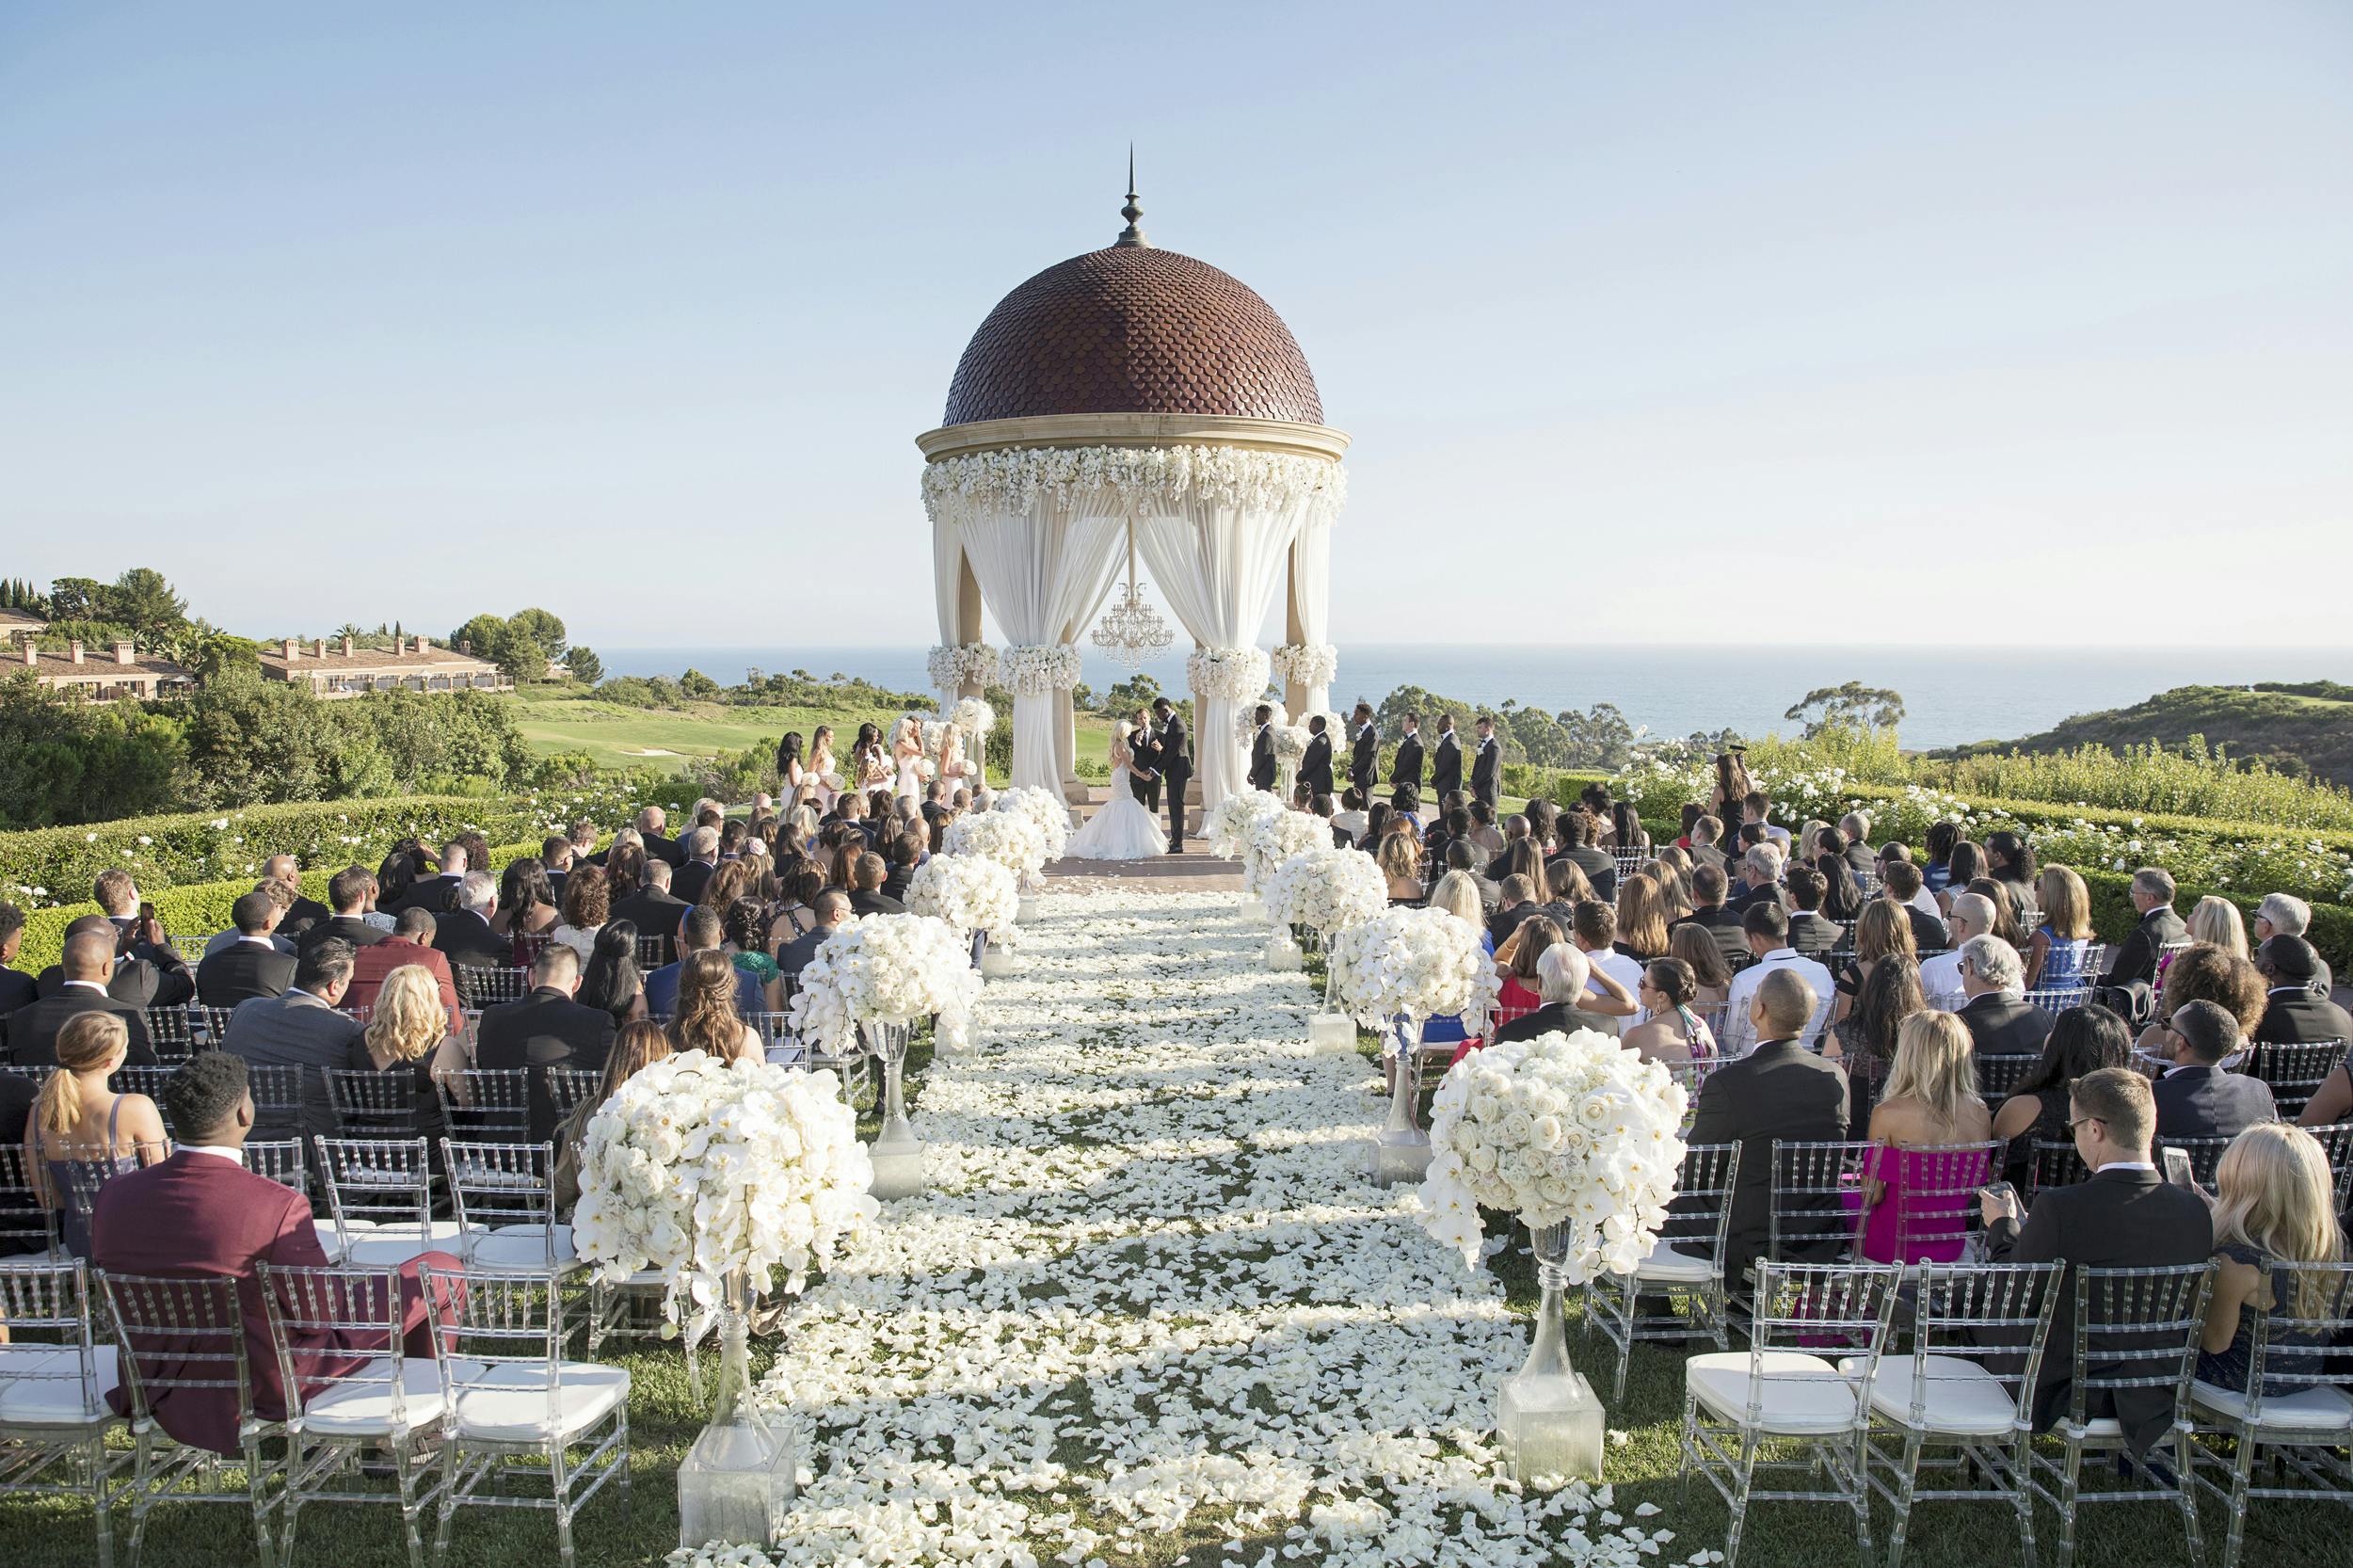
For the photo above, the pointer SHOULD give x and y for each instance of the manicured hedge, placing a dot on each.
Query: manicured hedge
(2114, 916)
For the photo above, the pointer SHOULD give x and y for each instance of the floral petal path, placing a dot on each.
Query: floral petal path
(1152, 1311)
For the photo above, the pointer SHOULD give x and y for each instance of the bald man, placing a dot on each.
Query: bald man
(90, 962)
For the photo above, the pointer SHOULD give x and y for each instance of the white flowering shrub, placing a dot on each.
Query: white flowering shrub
(1326, 888)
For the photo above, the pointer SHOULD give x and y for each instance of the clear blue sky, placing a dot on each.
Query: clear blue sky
(632, 311)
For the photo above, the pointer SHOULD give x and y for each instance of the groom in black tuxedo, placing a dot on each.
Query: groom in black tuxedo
(1143, 764)
(1175, 767)
(1262, 750)
(1315, 768)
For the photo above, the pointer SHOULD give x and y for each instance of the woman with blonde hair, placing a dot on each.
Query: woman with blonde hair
(408, 1033)
(1400, 859)
(1882, 930)
(2215, 922)
(1642, 917)
(707, 1020)
(2054, 953)
(82, 1134)
(1912, 1212)
(2275, 1201)
(1458, 895)
(1675, 888)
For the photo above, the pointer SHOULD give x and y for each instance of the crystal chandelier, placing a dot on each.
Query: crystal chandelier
(1132, 632)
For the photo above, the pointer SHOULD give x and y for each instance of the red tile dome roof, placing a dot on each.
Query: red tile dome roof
(1132, 328)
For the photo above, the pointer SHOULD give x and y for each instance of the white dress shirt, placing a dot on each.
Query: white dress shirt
(1743, 990)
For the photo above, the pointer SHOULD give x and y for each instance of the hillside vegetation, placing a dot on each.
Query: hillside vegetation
(2300, 728)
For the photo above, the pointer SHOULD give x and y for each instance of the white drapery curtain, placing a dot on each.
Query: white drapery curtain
(1040, 571)
(1311, 592)
(1220, 562)
(946, 574)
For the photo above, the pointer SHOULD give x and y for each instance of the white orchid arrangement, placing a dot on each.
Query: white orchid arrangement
(956, 664)
(885, 969)
(696, 1169)
(1563, 1129)
(969, 891)
(1275, 837)
(1411, 963)
(1008, 838)
(1043, 810)
(1290, 743)
(1326, 888)
(1040, 669)
(1228, 826)
(973, 717)
(1314, 666)
(1234, 674)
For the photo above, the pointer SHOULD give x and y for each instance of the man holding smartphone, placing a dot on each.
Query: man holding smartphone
(2124, 1217)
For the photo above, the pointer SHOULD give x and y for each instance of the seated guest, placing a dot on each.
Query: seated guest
(1705, 842)
(2274, 1202)
(2136, 955)
(527, 908)
(1642, 917)
(436, 894)
(701, 931)
(1972, 915)
(831, 909)
(709, 1018)
(82, 1134)
(280, 900)
(1483, 834)
(1350, 818)
(352, 891)
(1516, 962)
(2203, 973)
(1930, 1103)
(651, 909)
(1756, 811)
(1864, 1040)
(2054, 951)
(1881, 933)
(639, 1045)
(302, 912)
(2125, 1217)
(702, 856)
(2215, 922)
(1671, 1031)
(2294, 1009)
(139, 936)
(1562, 974)
(2000, 1021)
(2083, 1040)
(1842, 895)
(407, 944)
(587, 904)
(611, 982)
(2278, 915)
(907, 850)
(547, 1029)
(201, 1214)
(407, 1034)
(1766, 928)
(16, 987)
(866, 894)
(464, 935)
(1579, 834)
(2010, 861)
(556, 861)
(1760, 879)
(302, 1029)
(1594, 932)
(1901, 884)
(1515, 901)
(1710, 914)
(252, 966)
(89, 959)
(1810, 931)
(1777, 1091)
(1458, 856)
(1696, 947)
(742, 923)
(1855, 827)
(2196, 1099)
(1399, 855)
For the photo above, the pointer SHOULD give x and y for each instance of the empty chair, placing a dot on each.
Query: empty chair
(1687, 1260)
(213, 1024)
(171, 1031)
(54, 1377)
(513, 1395)
(369, 1104)
(379, 1192)
(1737, 1401)
(486, 1104)
(2293, 1071)
(504, 1194)
(277, 1092)
(188, 1336)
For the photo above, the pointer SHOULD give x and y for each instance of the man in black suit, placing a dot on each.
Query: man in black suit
(1709, 913)
(2136, 955)
(547, 1029)
(1143, 764)
(437, 895)
(1862, 859)
(652, 910)
(303, 913)
(1578, 831)
(2124, 1217)
(2196, 1099)
(1364, 760)
(464, 935)
(352, 890)
(831, 909)
(866, 894)
(16, 987)
(1810, 934)
(2000, 1021)
(139, 939)
(136, 982)
(1262, 750)
(252, 966)
(1487, 763)
(1175, 770)
(1901, 881)
(1315, 766)
(2297, 1011)
(303, 1029)
(1446, 760)
(1780, 1090)
(89, 960)
(1405, 768)
(702, 864)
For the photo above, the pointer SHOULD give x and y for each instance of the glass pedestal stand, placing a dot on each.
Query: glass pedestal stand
(1330, 1030)
(1254, 910)
(739, 1477)
(1283, 955)
(1550, 1422)
(994, 960)
(1401, 1151)
(897, 1153)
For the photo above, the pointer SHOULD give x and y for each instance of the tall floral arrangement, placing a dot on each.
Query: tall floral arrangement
(698, 1170)
(969, 891)
(1043, 810)
(1561, 1129)
(973, 717)
(1326, 889)
(1275, 837)
(1411, 963)
(1236, 673)
(1007, 838)
(885, 969)
(1230, 822)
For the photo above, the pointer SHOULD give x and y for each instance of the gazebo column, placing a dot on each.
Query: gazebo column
(968, 613)
(1294, 695)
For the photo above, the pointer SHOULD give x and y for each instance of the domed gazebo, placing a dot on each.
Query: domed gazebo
(1133, 389)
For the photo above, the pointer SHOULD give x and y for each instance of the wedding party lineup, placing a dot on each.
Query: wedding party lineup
(1189, 1072)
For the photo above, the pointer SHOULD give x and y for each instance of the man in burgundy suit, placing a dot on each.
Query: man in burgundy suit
(411, 942)
(202, 1214)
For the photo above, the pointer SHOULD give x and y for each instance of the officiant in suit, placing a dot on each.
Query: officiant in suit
(1176, 769)
(1143, 764)
(1446, 761)
(1364, 760)
(1315, 768)
(1486, 763)
(1406, 769)
(1262, 751)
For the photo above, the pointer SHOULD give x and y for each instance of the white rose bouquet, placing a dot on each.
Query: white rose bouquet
(1008, 838)
(1043, 810)
(885, 969)
(1290, 744)
(1274, 837)
(698, 1170)
(973, 717)
(1412, 963)
(1311, 665)
(1561, 1129)
(1036, 669)
(969, 891)
(1228, 826)
(960, 663)
(1236, 673)
(1325, 889)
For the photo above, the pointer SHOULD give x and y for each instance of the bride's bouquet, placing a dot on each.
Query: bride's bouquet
(1561, 1129)
(1228, 826)
(1043, 810)
(698, 1170)
(1326, 888)
(969, 891)
(1275, 837)
(885, 969)
(1411, 963)
(1007, 838)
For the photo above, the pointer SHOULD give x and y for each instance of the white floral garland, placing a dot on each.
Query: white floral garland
(696, 1169)
(1327, 890)
(1236, 673)
(956, 664)
(970, 893)
(1039, 669)
(1416, 963)
(1115, 480)
(1560, 1128)
(1314, 666)
(1043, 810)
(1007, 838)
(885, 969)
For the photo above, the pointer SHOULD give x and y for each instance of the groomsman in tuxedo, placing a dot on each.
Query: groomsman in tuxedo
(1365, 756)
(1262, 751)
(1143, 768)
(1176, 768)
(1486, 763)
(1315, 768)
(1446, 761)
(1407, 768)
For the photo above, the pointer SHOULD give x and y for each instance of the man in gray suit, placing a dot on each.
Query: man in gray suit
(302, 1029)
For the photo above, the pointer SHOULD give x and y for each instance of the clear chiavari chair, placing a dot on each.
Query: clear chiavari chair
(1687, 1260)
(54, 1377)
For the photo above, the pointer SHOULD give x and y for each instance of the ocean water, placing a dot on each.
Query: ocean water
(1951, 695)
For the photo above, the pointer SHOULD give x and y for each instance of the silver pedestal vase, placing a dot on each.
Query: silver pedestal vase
(739, 1478)
(1401, 1151)
(896, 1152)
(1547, 1418)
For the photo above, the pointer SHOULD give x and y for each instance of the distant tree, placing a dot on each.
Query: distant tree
(540, 628)
(1852, 706)
(1082, 698)
(697, 686)
(584, 666)
(348, 629)
(1600, 739)
(1137, 690)
(77, 599)
(143, 599)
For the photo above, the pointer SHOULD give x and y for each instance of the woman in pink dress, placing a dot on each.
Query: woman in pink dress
(1920, 1187)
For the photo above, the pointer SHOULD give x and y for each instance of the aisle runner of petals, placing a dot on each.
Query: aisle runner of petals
(1152, 1311)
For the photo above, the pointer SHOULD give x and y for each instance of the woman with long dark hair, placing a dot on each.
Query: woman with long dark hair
(1937, 870)
(1842, 895)
(789, 768)
(2082, 1040)
(611, 982)
(1864, 1040)
(1732, 785)
(640, 1043)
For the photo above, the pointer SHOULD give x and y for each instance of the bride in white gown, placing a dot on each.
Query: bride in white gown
(1123, 829)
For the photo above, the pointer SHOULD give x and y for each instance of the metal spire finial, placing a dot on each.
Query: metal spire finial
(1131, 235)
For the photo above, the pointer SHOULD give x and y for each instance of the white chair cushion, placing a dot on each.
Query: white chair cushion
(365, 1408)
(1964, 1399)
(509, 1403)
(2307, 1410)
(390, 1246)
(1803, 1395)
(517, 1247)
(41, 1385)
(1667, 1266)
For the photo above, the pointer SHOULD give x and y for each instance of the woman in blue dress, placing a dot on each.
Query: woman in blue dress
(82, 1134)
(2054, 953)
(2275, 1201)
